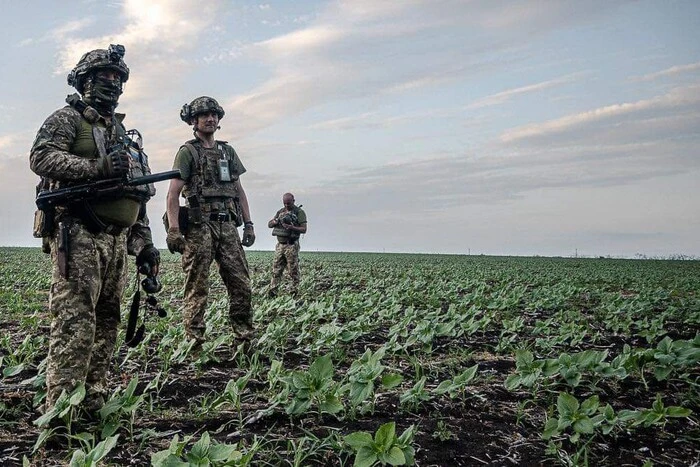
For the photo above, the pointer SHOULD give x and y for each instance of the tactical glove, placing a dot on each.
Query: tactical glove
(148, 260)
(175, 240)
(116, 164)
(248, 235)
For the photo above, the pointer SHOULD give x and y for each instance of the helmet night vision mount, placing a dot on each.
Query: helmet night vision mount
(111, 58)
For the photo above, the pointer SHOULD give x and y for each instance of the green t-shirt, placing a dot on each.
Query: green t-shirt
(301, 216)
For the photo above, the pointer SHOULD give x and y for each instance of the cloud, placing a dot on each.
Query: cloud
(612, 146)
(377, 120)
(152, 33)
(6, 141)
(672, 71)
(10, 142)
(674, 101)
(60, 33)
(301, 42)
(443, 183)
(504, 96)
(357, 50)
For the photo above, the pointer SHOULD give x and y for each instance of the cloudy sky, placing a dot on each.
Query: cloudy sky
(526, 127)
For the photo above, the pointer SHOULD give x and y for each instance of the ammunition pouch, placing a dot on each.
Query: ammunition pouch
(279, 231)
(44, 222)
(195, 211)
(212, 209)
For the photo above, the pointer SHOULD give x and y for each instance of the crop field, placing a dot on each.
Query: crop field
(381, 359)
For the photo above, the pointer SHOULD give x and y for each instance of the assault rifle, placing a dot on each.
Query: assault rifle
(48, 199)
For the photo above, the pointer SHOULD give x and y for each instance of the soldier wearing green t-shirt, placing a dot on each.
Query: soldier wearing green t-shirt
(287, 225)
(216, 205)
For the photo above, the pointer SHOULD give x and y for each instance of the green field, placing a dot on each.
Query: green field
(385, 358)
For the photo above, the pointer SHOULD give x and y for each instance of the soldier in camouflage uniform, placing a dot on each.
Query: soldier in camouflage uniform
(216, 205)
(89, 240)
(287, 225)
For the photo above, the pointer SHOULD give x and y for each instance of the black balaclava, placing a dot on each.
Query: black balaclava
(102, 94)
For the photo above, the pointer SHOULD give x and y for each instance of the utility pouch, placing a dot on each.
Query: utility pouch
(239, 212)
(182, 219)
(46, 245)
(43, 223)
(63, 248)
(195, 211)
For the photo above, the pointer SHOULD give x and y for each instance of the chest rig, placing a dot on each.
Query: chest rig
(288, 217)
(211, 192)
(110, 138)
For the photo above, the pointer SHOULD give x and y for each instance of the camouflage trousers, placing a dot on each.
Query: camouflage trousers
(286, 257)
(85, 315)
(215, 241)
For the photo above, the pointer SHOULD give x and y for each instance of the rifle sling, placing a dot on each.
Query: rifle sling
(134, 337)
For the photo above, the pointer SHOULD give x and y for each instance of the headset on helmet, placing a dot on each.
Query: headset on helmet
(200, 105)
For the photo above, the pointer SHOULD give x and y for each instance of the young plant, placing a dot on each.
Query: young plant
(92, 456)
(458, 385)
(119, 408)
(385, 448)
(315, 386)
(203, 452)
(64, 410)
(658, 414)
(527, 371)
(582, 418)
(415, 396)
(362, 375)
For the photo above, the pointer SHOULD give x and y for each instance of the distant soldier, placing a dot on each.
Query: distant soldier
(287, 225)
(216, 205)
(89, 240)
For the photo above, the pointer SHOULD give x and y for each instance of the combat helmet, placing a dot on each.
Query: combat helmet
(200, 105)
(111, 58)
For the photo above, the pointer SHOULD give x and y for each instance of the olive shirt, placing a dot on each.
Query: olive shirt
(301, 216)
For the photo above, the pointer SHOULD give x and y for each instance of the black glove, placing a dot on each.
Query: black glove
(117, 164)
(148, 260)
(248, 235)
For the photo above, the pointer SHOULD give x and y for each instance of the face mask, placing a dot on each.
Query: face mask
(102, 93)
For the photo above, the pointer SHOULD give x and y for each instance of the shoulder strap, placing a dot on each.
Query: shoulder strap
(193, 152)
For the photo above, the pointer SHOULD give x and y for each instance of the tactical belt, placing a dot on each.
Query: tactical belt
(82, 213)
(220, 217)
(286, 241)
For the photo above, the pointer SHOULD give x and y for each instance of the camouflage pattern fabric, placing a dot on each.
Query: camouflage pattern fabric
(286, 257)
(84, 306)
(216, 241)
(64, 146)
(85, 313)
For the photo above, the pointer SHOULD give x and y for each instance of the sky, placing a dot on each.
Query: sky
(530, 127)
